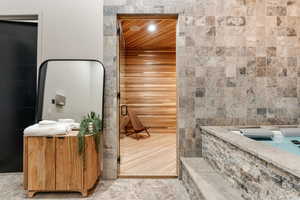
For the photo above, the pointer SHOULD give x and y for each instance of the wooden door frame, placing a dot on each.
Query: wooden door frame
(119, 17)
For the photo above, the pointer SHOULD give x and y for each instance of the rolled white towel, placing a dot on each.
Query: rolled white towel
(72, 125)
(47, 122)
(75, 125)
(70, 122)
(38, 130)
(66, 120)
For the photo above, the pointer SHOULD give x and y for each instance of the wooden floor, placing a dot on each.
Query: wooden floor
(149, 156)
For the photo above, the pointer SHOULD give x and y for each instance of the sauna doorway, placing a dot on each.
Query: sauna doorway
(147, 96)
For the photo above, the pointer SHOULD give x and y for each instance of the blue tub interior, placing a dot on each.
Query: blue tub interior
(286, 144)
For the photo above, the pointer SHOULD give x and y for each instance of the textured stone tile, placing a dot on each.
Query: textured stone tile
(110, 10)
(271, 51)
(235, 21)
(293, 8)
(114, 2)
(121, 189)
(230, 82)
(248, 173)
(224, 48)
(203, 182)
(276, 11)
(200, 92)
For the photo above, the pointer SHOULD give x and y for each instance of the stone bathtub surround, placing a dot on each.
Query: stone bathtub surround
(260, 171)
(237, 64)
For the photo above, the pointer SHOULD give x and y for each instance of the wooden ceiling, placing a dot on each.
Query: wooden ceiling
(136, 35)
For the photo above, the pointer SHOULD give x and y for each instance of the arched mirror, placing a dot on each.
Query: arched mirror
(70, 89)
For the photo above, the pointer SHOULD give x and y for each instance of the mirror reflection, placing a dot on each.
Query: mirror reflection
(69, 89)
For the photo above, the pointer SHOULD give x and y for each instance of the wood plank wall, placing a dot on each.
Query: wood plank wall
(148, 86)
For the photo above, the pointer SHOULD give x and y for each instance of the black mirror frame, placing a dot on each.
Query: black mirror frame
(41, 86)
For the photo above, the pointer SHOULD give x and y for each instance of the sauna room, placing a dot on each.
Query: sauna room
(147, 88)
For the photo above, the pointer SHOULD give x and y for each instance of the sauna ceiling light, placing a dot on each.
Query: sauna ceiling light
(152, 28)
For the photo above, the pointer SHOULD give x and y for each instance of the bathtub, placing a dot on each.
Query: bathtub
(262, 170)
(279, 141)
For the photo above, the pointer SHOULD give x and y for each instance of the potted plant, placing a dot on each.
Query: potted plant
(89, 125)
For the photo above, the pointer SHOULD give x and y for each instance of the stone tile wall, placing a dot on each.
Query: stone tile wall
(190, 185)
(255, 178)
(237, 63)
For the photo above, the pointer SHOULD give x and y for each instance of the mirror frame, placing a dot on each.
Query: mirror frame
(41, 86)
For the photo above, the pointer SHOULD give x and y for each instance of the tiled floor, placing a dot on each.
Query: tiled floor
(121, 189)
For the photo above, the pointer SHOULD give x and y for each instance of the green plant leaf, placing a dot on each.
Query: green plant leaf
(84, 130)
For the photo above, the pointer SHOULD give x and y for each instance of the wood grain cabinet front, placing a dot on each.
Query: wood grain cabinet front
(41, 163)
(54, 164)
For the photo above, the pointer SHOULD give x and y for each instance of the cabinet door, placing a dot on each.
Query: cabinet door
(91, 163)
(69, 167)
(41, 163)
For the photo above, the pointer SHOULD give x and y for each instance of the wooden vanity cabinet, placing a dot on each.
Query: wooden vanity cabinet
(54, 164)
